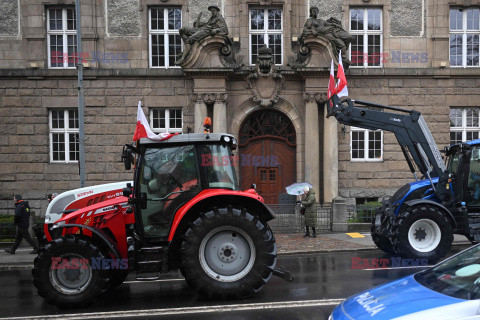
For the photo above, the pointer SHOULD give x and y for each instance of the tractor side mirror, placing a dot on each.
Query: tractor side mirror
(128, 190)
(143, 200)
(127, 157)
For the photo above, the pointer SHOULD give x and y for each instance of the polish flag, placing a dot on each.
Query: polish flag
(331, 82)
(342, 89)
(143, 128)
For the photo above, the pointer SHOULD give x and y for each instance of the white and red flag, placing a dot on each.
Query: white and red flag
(143, 128)
(341, 89)
(331, 82)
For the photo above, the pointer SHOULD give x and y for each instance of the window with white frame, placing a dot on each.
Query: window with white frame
(266, 29)
(366, 145)
(166, 120)
(366, 28)
(64, 144)
(165, 41)
(464, 37)
(464, 124)
(61, 38)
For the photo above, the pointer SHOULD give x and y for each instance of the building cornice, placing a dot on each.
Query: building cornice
(235, 75)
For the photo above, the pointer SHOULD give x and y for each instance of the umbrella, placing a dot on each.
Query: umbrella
(297, 188)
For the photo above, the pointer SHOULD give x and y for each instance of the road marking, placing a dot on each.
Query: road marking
(158, 280)
(355, 235)
(185, 310)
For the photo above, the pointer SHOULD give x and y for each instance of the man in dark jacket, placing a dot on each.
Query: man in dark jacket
(22, 217)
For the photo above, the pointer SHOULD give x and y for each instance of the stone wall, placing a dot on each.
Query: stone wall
(9, 23)
(110, 118)
(123, 18)
(328, 9)
(407, 18)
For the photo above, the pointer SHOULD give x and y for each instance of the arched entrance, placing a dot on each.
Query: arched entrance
(267, 143)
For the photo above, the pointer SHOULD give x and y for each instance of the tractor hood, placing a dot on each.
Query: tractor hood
(395, 299)
(109, 206)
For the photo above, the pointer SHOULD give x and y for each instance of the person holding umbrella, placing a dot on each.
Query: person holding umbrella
(310, 205)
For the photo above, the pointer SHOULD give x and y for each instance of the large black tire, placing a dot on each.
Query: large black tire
(117, 277)
(55, 284)
(379, 235)
(213, 249)
(422, 232)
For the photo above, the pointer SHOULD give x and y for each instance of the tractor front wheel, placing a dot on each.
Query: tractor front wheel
(64, 272)
(379, 233)
(422, 232)
(227, 253)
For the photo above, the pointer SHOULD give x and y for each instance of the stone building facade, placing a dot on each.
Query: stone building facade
(413, 54)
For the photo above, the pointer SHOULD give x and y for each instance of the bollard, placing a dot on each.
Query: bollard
(339, 215)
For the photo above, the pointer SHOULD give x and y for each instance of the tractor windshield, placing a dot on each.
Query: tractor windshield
(218, 162)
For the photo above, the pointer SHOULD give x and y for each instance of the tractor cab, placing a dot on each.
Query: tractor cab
(463, 162)
(172, 172)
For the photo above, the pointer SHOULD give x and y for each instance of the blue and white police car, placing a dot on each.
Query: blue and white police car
(449, 290)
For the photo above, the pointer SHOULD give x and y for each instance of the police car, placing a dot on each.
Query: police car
(449, 290)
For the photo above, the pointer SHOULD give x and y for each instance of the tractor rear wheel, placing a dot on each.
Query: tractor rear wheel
(64, 275)
(227, 253)
(379, 234)
(422, 232)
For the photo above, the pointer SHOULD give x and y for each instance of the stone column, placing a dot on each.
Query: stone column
(200, 111)
(220, 113)
(330, 158)
(312, 141)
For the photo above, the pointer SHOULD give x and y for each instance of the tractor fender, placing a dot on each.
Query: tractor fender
(264, 212)
(415, 202)
(101, 234)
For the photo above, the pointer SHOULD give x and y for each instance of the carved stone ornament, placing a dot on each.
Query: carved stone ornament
(210, 98)
(330, 30)
(265, 81)
(206, 44)
(314, 97)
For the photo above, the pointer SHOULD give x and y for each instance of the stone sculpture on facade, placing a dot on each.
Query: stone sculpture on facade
(216, 25)
(265, 81)
(331, 30)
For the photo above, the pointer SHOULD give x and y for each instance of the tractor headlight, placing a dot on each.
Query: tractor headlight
(226, 139)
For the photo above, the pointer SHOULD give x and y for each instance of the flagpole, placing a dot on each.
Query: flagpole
(81, 115)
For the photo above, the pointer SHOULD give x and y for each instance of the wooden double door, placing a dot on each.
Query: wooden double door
(269, 162)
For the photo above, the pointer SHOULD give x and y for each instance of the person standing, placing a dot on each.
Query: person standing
(22, 217)
(310, 204)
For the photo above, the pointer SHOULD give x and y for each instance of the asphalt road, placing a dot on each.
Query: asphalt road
(321, 282)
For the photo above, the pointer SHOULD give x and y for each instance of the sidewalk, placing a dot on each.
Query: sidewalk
(287, 244)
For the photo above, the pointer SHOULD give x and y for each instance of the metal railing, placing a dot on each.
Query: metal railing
(7, 232)
(361, 213)
(289, 220)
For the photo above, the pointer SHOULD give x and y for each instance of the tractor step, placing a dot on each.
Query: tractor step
(148, 277)
(152, 259)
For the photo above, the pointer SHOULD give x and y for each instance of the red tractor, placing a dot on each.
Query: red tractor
(184, 211)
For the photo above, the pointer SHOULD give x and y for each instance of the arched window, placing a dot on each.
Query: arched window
(267, 123)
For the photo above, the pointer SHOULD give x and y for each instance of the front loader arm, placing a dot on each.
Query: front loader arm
(409, 127)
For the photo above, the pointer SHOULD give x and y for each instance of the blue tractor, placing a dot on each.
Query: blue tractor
(420, 219)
